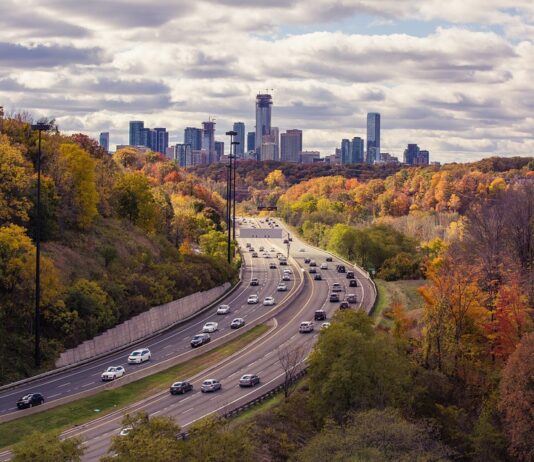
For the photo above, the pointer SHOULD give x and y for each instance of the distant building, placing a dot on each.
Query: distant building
(346, 156)
(208, 140)
(193, 137)
(310, 157)
(160, 140)
(239, 128)
(385, 157)
(423, 158)
(410, 154)
(332, 159)
(103, 140)
(135, 132)
(219, 150)
(357, 150)
(275, 136)
(251, 141)
(373, 137)
(291, 146)
(263, 118)
(268, 151)
(137, 148)
(181, 154)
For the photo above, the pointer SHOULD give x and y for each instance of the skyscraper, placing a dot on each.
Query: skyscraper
(104, 140)
(357, 150)
(263, 118)
(208, 140)
(410, 154)
(346, 155)
(291, 146)
(160, 140)
(251, 141)
(193, 137)
(135, 132)
(275, 137)
(219, 150)
(373, 137)
(239, 128)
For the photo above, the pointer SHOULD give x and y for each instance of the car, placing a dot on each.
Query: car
(336, 287)
(302, 250)
(249, 245)
(268, 301)
(179, 388)
(288, 271)
(253, 299)
(286, 277)
(334, 298)
(265, 255)
(237, 323)
(340, 268)
(305, 327)
(325, 325)
(125, 431)
(329, 259)
(344, 305)
(210, 385)
(290, 239)
(139, 356)
(317, 277)
(271, 249)
(324, 266)
(223, 309)
(351, 298)
(251, 249)
(281, 287)
(283, 262)
(307, 260)
(210, 327)
(261, 248)
(313, 263)
(249, 380)
(353, 283)
(350, 275)
(30, 400)
(112, 373)
(312, 270)
(286, 241)
(254, 282)
(272, 265)
(254, 254)
(200, 339)
(320, 315)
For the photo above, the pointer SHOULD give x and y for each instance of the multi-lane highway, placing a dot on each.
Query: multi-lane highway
(260, 358)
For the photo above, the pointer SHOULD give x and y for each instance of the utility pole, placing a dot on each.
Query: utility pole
(40, 127)
(234, 144)
(231, 134)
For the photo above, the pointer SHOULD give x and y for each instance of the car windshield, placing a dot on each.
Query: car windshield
(26, 397)
(177, 384)
(111, 369)
(136, 353)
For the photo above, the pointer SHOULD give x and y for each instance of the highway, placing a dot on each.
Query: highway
(260, 358)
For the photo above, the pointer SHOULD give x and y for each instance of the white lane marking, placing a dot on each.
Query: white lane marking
(64, 385)
(53, 396)
(87, 385)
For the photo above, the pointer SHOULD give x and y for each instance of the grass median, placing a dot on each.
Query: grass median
(86, 409)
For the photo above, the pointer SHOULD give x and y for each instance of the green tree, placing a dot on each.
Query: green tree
(214, 243)
(353, 367)
(47, 447)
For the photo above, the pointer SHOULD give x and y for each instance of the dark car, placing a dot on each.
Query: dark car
(320, 315)
(249, 380)
(286, 241)
(318, 277)
(29, 400)
(237, 323)
(353, 283)
(307, 260)
(340, 268)
(312, 270)
(334, 297)
(200, 339)
(328, 258)
(344, 305)
(350, 275)
(313, 263)
(254, 282)
(179, 388)
(351, 298)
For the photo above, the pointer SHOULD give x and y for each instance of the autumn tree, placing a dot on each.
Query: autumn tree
(47, 447)
(517, 400)
(276, 178)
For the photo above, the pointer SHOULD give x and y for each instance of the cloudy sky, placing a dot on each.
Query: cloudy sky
(454, 76)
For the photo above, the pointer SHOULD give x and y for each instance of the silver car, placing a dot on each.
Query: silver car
(210, 385)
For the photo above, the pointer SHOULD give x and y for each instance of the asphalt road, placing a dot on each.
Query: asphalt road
(261, 357)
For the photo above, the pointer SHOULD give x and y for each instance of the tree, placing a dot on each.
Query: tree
(215, 243)
(353, 367)
(291, 358)
(275, 178)
(15, 180)
(47, 447)
(517, 400)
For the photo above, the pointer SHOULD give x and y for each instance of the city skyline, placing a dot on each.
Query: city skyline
(454, 79)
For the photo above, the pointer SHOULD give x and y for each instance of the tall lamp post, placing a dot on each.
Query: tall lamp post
(231, 134)
(40, 127)
(234, 144)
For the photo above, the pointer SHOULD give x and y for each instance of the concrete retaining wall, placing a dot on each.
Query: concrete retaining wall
(141, 326)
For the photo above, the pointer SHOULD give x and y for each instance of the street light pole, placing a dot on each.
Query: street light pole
(231, 134)
(40, 127)
(234, 144)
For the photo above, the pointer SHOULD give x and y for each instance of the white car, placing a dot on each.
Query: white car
(286, 277)
(253, 299)
(268, 301)
(139, 356)
(223, 309)
(210, 327)
(306, 326)
(281, 287)
(325, 325)
(302, 250)
(287, 271)
(324, 266)
(112, 373)
(125, 431)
